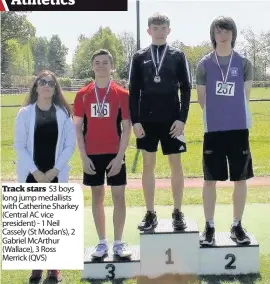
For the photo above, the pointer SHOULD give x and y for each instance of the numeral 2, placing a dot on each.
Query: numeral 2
(233, 258)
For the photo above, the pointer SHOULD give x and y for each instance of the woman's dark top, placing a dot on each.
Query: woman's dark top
(45, 140)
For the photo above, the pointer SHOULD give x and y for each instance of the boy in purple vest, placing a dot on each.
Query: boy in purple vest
(224, 81)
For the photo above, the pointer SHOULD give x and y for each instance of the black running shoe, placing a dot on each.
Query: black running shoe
(207, 238)
(35, 277)
(239, 234)
(54, 275)
(149, 221)
(178, 221)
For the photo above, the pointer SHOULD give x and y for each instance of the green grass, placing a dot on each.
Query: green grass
(258, 201)
(256, 213)
(18, 99)
(255, 224)
(259, 138)
(257, 93)
(163, 197)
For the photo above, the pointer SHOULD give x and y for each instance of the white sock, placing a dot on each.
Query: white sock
(211, 223)
(117, 243)
(103, 242)
(235, 222)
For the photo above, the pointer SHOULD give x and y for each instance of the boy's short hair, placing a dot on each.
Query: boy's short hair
(102, 52)
(225, 23)
(158, 19)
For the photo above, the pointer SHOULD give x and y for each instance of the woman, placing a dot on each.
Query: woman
(44, 140)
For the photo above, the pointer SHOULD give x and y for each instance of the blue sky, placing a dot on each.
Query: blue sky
(190, 20)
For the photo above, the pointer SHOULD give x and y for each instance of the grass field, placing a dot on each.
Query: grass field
(256, 221)
(259, 137)
(256, 218)
(257, 93)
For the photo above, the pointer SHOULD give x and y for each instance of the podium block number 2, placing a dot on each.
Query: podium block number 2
(232, 260)
(111, 269)
(169, 254)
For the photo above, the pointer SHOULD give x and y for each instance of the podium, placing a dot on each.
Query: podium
(172, 252)
(165, 251)
(110, 267)
(226, 257)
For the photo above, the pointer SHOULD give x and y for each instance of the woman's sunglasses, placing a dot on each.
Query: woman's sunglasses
(43, 82)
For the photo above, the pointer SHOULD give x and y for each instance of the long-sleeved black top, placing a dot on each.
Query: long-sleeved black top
(45, 140)
(155, 102)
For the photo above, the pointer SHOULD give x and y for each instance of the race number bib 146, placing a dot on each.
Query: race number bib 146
(95, 110)
(226, 89)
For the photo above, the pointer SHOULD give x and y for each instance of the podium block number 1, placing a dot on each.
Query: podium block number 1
(232, 260)
(169, 253)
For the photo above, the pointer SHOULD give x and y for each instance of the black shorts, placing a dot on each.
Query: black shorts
(160, 131)
(30, 179)
(101, 162)
(218, 147)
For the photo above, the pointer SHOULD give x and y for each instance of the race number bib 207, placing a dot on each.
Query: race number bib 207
(95, 110)
(225, 89)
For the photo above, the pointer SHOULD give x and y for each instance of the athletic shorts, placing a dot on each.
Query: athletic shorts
(30, 179)
(227, 149)
(156, 132)
(101, 162)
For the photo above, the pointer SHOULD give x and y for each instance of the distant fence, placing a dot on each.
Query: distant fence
(76, 87)
(192, 102)
(17, 91)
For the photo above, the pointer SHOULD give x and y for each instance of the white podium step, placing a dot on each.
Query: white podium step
(228, 258)
(110, 267)
(167, 251)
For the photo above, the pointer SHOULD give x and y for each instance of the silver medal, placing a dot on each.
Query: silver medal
(224, 78)
(157, 79)
(101, 104)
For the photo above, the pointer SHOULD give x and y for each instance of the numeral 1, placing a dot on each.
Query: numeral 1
(169, 253)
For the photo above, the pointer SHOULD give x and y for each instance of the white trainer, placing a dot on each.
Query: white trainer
(101, 250)
(121, 250)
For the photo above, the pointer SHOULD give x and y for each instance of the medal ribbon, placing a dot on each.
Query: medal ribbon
(224, 79)
(101, 105)
(161, 60)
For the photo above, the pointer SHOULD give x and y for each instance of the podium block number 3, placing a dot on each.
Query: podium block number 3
(232, 260)
(111, 269)
(169, 254)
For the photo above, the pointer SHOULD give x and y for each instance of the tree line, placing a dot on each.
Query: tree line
(24, 54)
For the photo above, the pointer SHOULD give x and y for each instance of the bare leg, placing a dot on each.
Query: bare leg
(98, 193)
(119, 211)
(209, 199)
(239, 199)
(148, 179)
(177, 179)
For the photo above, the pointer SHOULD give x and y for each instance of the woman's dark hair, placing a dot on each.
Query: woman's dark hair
(58, 98)
(224, 23)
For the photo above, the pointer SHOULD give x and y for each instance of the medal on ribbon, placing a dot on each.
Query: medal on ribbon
(157, 78)
(224, 79)
(100, 105)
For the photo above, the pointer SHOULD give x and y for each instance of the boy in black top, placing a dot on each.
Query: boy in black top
(157, 114)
